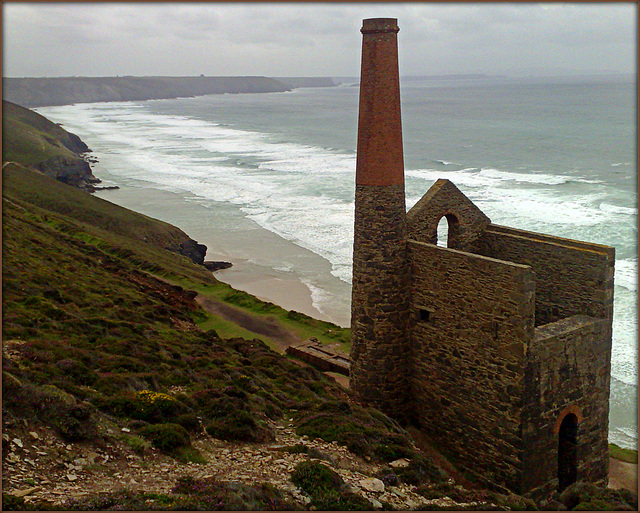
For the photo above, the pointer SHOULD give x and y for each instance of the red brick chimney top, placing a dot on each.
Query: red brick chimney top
(380, 156)
(373, 25)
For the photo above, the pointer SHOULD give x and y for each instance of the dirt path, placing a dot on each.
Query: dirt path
(623, 475)
(268, 327)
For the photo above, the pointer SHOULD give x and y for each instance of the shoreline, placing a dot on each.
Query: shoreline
(264, 264)
(277, 287)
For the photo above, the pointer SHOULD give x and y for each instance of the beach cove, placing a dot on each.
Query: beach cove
(258, 256)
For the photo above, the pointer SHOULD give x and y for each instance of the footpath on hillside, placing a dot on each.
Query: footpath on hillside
(268, 327)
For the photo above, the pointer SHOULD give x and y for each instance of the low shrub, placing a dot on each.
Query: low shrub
(241, 426)
(189, 421)
(365, 432)
(315, 478)
(137, 444)
(51, 406)
(122, 500)
(211, 494)
(326, 488)
(154, 407)
(77, 371)
(590, 497)
(166, 437)
(173, 440)
(420, 470)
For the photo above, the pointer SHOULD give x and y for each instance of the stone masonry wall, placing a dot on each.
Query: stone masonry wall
(571, 277)
(380, 299)
(466, 221)
(472, 321)
(567, 372)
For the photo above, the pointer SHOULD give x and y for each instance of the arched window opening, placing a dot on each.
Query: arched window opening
(447, 231)
(443, 232)
(568, 451)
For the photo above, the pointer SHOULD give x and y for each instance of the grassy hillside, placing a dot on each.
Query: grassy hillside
(37, 92)
(29, 186)
(32, 140)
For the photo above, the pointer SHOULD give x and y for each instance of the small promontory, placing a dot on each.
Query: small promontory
(33, 141)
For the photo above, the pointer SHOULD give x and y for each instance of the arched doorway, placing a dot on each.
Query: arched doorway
(447, 231)
(568, 451)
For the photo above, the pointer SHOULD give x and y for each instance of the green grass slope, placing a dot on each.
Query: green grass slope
(26, 185)
(32, 140)
(92, 311)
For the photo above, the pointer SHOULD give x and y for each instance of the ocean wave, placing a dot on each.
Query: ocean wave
(617, 209)
(491, 177)
(626, 274)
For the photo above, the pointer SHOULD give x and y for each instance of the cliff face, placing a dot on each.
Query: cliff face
(39, 92)
(33, 141)
(27, 186)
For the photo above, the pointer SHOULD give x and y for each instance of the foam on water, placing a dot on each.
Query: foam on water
(626, 274)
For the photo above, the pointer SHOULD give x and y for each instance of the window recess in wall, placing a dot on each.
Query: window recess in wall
(425, 315)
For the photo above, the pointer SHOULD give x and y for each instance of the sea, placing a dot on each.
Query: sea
(269, 178)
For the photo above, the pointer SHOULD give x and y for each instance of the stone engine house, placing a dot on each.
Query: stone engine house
(498, 345)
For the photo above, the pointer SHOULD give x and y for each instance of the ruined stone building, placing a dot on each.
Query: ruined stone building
(498, 345)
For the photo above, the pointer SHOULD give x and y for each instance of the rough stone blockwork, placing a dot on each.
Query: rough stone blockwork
(472, 318)
(571, 277)
(380, 300)
(567, 373)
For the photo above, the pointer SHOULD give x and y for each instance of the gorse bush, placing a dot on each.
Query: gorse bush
(145, 405)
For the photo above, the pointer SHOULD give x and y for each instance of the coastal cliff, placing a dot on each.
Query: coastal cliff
(40, 92)
(33, 141)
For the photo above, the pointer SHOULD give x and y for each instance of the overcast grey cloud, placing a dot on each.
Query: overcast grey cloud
(313, 39)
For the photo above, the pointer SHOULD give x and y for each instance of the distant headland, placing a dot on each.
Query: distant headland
(47, 91)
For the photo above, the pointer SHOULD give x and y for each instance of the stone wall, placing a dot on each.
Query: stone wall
(466, 221)
(567, 372)
(571, 277)
(380, 299)
(472, 321)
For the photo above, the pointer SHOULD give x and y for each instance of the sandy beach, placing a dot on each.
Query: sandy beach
(280, 288)
(264, 264)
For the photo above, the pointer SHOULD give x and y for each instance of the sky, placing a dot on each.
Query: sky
(314, 39)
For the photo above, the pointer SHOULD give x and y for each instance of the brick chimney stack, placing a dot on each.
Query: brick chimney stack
(380, 158)
(381, 274)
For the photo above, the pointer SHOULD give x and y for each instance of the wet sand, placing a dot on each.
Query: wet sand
(283, 289)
